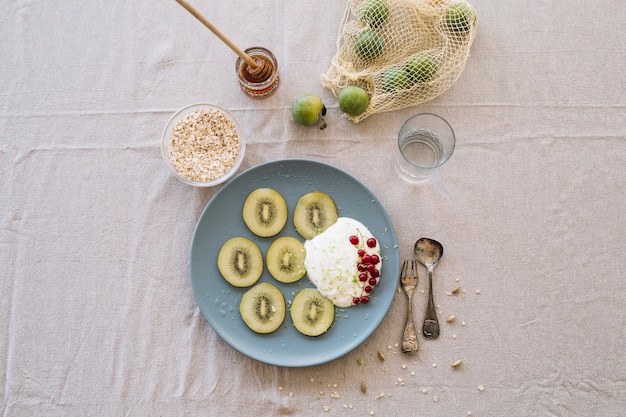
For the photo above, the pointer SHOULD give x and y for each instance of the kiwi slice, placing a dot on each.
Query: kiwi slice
(265, 212)
(240, 262)
(314, 213)
(311, 312)
(262, 308)
(285, 259)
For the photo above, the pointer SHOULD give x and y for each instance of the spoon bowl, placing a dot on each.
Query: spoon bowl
(429, 253)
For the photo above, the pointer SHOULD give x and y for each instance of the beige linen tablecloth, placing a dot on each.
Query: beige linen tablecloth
(96, 308)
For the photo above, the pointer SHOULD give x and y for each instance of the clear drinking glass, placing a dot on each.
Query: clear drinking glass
(425, 142)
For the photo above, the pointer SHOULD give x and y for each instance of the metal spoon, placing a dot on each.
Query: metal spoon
(429, 252)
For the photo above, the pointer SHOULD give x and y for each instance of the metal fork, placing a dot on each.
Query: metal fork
(408, 278)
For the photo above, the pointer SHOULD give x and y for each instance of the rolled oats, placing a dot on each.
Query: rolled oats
(204, 145)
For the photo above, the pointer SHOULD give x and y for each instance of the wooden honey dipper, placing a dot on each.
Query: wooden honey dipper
(259, 69)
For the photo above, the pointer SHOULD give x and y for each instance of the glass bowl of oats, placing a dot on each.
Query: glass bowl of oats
(203, 145)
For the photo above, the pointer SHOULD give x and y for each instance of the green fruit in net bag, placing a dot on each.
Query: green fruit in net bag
(369, 44)
(373, 13)
(353, 100)
(421, 67)
(307, 109)
(460, 17)
(395, 79)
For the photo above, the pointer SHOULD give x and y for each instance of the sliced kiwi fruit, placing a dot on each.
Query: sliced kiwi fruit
(285, 259)
(265, 212)
(240, 262)
(314, 213)
(262, 308)
(311, 312)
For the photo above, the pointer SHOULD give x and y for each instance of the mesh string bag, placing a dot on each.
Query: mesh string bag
(401, 52)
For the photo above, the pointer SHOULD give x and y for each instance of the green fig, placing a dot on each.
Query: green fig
(396, 79)
(421, 67)
(369, 44)
(460, 17)
(353, 100)
(307, 109)
(373, 13)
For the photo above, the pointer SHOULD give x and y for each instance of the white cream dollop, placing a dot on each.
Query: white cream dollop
(331, 260)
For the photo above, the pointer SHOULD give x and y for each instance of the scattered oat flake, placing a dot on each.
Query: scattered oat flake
(280, 388)
(381, 356)
(456, 364)
(435, 398)
(451, 318)
(326, 408)
(424, 391)
(480, 388)
(335, 395)
(434, 365)
(412, 373)
(477, 291)
(371, 412)
(363, 388)
(291, 393)
(455, 290)
(453, 336)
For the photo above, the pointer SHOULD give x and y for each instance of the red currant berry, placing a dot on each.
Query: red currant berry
(373, 281)
(365, 299)
(371, 268)
(361, 252)
(363, 277)
(361, 267)
(375, 259)
(375, 273)
(356, 300)
(367, 259)
(371, 242)
(368, 289)
(354, 240)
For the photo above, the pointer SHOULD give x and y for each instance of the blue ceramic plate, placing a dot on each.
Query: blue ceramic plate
(219, 301)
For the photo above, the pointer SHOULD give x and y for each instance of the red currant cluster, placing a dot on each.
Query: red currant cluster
(369, 272)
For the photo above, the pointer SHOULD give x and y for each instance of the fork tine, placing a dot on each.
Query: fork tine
(414, 269)
(404, 269)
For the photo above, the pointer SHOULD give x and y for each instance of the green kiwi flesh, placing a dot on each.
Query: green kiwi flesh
(265, 212)
(240, 262)
(263, 308)
(285, 259)
(312, 313)
(314, 213)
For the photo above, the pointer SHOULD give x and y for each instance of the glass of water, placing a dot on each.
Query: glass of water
(425, 142)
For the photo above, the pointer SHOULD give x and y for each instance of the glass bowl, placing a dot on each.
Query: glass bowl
(203, 145)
